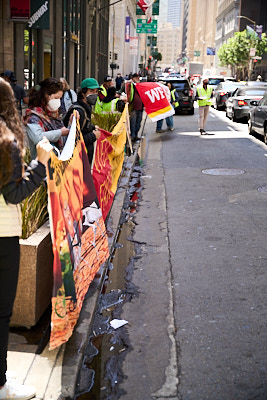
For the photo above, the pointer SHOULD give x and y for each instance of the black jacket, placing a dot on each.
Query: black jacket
(86, 125)
(21, 186)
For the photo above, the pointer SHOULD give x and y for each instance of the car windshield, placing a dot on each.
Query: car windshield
(251, 92)
(229, 85)
(215, 81)
(180, 85)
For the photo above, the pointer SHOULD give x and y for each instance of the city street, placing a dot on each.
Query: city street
(197, 327)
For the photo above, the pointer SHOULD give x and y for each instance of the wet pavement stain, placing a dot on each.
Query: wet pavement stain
(100, 374)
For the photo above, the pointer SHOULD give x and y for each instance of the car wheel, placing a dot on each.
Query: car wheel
(233, 116)
(191, 112)
(250, 129)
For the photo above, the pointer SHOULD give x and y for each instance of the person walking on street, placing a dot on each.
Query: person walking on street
(119, 80)
(18, 90)
(15, 185)
(69, 97)
(204, 94)
(135, 106)
(87, 97)
(172, 96)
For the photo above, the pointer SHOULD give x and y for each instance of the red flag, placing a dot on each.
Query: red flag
(155, 100)
(146, 7)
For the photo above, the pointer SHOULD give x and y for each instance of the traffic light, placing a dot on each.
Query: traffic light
(150, 57)
(255, 61)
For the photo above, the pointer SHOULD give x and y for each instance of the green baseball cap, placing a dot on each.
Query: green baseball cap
(90, 83)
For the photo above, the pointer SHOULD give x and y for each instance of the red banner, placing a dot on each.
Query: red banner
(155, 100)
(78, 233)
(108, 162)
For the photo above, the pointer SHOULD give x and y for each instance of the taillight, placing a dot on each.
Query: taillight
(242, 103)
(191, 92)
(222, 93)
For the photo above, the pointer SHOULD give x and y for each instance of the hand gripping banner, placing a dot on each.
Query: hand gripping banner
(154, 97)
(78, 233)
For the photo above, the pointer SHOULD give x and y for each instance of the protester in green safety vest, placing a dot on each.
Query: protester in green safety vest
(173, 99)
(108, 82)
(112, 104)
(203, 96)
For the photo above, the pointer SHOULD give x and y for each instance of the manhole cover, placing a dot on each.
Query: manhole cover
(223, 171)
(263, 189)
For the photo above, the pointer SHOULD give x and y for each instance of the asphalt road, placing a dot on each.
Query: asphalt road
(197, 328)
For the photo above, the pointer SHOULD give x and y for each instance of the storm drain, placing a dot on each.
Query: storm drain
(262, 189)
(222, 171)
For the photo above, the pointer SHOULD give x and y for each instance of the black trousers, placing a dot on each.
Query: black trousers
(9, 270)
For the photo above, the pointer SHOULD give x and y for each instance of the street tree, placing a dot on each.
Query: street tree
(236, 52)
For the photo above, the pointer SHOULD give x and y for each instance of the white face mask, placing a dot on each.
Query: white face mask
(53, 104)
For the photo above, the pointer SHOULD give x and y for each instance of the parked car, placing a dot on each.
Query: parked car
(185, 92)
(239, 104)
(256, 83)
(222, 92)
(257, 122)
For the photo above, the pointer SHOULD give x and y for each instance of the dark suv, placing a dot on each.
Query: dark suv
(185, 92)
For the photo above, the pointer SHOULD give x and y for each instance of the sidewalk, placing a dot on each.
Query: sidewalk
(54, 373)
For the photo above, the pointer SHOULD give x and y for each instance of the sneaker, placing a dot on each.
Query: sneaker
(159, 131)
(13, 390)
(171, 128)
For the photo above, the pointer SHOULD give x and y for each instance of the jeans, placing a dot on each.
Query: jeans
(135, 122)
(169, 122)
(9, 270)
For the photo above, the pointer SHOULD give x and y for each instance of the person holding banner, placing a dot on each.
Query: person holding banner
(135, 106)
(172, 96)
(87, 97)
(15, 185)
(42, 117)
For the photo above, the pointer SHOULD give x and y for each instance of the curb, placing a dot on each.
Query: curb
(75, 347)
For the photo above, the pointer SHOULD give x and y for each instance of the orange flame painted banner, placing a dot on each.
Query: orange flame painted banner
(108, 162)
(78, 233)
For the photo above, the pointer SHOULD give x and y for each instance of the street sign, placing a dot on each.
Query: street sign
(143, 27)
(196, 53)
(257, 58)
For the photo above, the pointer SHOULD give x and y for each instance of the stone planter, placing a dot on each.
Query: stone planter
(35, 278)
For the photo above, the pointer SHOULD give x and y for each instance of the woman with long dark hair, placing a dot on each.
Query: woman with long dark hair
(15, 185)
(42, 116)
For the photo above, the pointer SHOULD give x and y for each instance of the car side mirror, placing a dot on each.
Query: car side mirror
(254, 103)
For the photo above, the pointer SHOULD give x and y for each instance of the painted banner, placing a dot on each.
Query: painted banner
(157, 105)
(78, 234)
(108, 161)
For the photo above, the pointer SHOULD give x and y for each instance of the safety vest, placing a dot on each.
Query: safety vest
(206, 94)
(99, 103)
(175, 102)
(110, 108)
(131, 93)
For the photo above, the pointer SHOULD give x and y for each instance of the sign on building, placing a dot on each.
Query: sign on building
(127, 29)
(134, 45)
